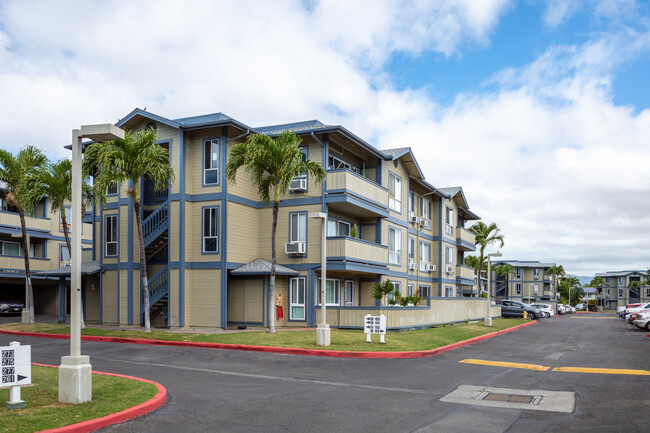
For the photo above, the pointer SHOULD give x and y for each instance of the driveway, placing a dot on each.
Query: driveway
(234, 391)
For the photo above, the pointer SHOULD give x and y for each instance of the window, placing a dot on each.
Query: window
(394, 246)
(449, 256)
(334, 163)
(536, 274)
(337, 227)
(517, 288)
(411, 248)
(518, 274)
(110, 235)
(620, 293)
(425, 256)
(3, 204)
(211, 162)
(298, 227)
(397, 286)
(536, 289)
(332, 289)
(647, 292)
(410, 289)
(425, 208)
(210, 230)
(111, 189)
(425, 291)
(348, 293)
(10, 248)
(394, 192)
(449, 221)
(64, 253)
(297, 298)
(68, 211)
(412, 203)
(449, 292)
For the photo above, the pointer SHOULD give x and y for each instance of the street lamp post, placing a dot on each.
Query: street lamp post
(75, 371)
(488, 317)
(322, 329)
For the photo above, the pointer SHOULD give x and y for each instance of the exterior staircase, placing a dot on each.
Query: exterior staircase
(155, 228)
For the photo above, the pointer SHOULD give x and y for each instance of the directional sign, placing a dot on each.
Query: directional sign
(374, 324)
(16, 365)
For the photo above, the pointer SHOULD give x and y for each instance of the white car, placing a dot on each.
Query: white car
(643, 321)
(546, 309)
(629, 311)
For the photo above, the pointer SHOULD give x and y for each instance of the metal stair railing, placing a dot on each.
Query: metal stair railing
(158, 286)
(155, 224)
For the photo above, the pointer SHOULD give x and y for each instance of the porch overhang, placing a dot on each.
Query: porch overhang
(263, 267)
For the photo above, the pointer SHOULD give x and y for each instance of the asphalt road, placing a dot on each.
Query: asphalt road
(234, 391)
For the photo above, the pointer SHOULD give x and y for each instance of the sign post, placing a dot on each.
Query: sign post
(16, 371)
(374, 325)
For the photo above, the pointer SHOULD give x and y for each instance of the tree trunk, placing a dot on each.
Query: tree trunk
(143, 267)
(276, 206)
(28, 275)
(67, 242)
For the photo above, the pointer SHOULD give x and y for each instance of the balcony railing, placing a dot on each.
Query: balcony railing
(465, 272)
(36, 223)
(357, 250)
(465, 236)
(345, 180)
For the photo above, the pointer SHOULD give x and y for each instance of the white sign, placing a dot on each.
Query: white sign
(16, 365)
(374, 325)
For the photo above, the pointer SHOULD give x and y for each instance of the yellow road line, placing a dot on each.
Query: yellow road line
(603, 371)
(506, 364)
(595, 318)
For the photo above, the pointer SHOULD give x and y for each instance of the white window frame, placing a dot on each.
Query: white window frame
(519, 273)
(337, 292)
(113, 186)
(397, 286)
(410, 289)
(395, 250)
(518, 288)
(4, 252)
(620, 293)
(449, 292)
(411, 203)
(108, 237)
(394, 192)
(536, 273)
(411, 248)
(647, 292)
(4, 206)
(299, 218)
(209, 164)
(425, 208)
(425, 255)
(335, 226)
(348, 293)
(449, 220)
(336, 163)
(535, 289)
(210, 220)
(68, 214)
(424, 289)
(449, 255)
(63, 249)
(295, 303)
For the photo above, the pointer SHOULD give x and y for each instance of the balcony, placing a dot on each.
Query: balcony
(32, 223)
(17, 264)
(465, 238)
(356, 250)
(350, 192)
(465, 275)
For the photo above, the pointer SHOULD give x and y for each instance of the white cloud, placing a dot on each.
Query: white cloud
(547, 154)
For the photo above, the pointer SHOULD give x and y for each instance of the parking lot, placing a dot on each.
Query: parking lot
(579, 372)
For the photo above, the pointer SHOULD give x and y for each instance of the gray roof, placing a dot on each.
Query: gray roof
(525, 263)
(392, 153)
(87, 268)
(263, 267)
(450, 191)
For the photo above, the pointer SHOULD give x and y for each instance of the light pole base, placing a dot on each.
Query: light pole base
(75, 379)
(323, 335)
(488, 321)
(24, 316)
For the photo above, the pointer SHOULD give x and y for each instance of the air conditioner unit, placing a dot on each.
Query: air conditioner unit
(424, 222)
(449, 269)
(298, 185)
(449, 229)
(413, 218)
(535, 277)
(66, 264)
(412, 265)
(295, 247)
(431, 268)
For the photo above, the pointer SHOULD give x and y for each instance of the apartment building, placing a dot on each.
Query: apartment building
(530, 282)
(47, 250)
(617, 291)
(208, 242)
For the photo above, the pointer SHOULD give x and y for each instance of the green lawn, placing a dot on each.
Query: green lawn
(347, 340)
(110, 394)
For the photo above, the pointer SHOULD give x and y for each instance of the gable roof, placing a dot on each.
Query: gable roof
(263, 267)
(87, 268)
(409, 158)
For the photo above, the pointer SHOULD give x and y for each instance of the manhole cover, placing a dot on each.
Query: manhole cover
(556, 401)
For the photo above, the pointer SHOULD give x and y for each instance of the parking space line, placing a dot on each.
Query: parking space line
(603, 371)
(595, 318)
(506, 364)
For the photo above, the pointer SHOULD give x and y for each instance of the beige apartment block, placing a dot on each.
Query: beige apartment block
(619, 291)
(529, 283)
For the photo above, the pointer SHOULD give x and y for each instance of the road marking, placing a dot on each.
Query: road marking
(506, 364)
(595, 318)
(603, 371)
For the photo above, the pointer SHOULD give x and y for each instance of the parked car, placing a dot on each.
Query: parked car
(592, 307)
(622, 311)
(9, 305)
(561, 309)
(636, 314)
(513, 308)
(545, 308)
(629, 311)
(580, 307)
(643, 321)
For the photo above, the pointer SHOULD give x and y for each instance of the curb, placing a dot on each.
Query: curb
(283, 350)
(114, 418)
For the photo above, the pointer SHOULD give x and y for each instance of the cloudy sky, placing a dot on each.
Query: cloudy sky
(539, 109)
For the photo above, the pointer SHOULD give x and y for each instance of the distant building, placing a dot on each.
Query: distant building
(529, 283)
(617, 291)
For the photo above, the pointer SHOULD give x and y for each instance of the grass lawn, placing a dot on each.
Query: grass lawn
(347, 340)
(110, 394)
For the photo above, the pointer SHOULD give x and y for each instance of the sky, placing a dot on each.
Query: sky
(538, 109)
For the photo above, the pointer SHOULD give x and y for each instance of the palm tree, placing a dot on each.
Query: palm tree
(556, 271)
(505, 270)
(131, 160)
(272, 165)
(17, 172)
(55, 181)
(486, 235)
(474, 262)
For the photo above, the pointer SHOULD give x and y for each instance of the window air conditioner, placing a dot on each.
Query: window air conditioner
(413, 218)
(424, 222)
(449, 269)
(412, 265)
(449, 229)
(298, 185)
(294, 247)
(431, 268)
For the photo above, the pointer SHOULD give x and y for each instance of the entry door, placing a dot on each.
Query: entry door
(349, 293)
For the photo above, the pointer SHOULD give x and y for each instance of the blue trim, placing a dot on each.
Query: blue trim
(116, 193)
(219, 222)
(224, 236)
(219, 163)
(181, 234)
(129, 303)
(117, 222)
(325, 153)
(101, 297)
(347, 196)
(306, 214)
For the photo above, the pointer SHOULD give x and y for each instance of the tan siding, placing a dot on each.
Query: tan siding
(124, 296)
(194, 232)
(92, 299)
(174, 233)
(243, 233)
(109, 296)
(203, 297)
(173, 297)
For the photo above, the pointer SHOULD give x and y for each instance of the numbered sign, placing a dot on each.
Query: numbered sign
(16, 365)
(374, 325)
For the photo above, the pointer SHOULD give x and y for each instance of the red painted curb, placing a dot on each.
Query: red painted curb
(284, 350)
(93, 424)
